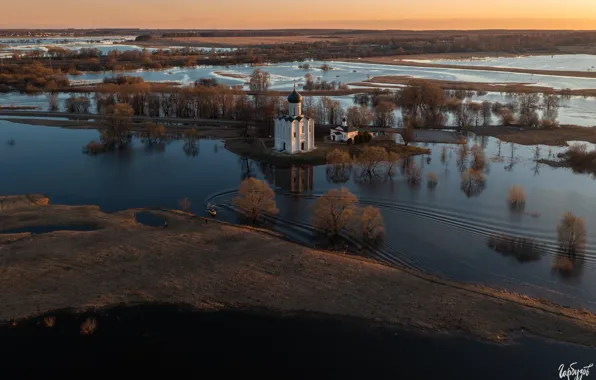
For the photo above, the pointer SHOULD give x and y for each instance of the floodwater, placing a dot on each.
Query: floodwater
(104, 44)
(445, 230)
(565, 62)
(284, 74)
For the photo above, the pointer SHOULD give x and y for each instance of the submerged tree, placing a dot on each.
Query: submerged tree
(54, 102)
(572, 233)
(256, 198)
(370, 223)
(432, 180)
(259, 80)
(117, 133)
(371, 162)
(472, 182)
(339, 166)
(75, 104)
(334, 211)
(517, 197)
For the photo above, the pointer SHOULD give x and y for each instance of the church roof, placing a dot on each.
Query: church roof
(295, 97)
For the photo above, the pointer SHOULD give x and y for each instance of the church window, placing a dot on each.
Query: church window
(294, 134)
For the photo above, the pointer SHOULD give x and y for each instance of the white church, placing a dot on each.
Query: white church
(294, 133)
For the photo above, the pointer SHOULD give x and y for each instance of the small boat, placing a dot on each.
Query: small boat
(211, 210)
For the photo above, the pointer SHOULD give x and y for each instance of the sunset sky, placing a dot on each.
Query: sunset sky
(263, 14)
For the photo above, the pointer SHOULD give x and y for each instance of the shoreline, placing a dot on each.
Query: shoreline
(232, 266)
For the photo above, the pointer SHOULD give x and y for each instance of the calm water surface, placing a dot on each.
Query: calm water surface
(442, 230)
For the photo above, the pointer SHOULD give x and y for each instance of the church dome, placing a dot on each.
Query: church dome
(295, 97)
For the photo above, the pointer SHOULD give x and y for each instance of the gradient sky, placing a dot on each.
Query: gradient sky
(257, 14)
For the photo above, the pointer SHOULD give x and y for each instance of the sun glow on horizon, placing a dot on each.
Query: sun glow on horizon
(267, 14)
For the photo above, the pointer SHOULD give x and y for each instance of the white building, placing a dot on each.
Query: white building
(343, 133)
(294, 133)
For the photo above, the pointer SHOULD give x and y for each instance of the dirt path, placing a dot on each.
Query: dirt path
(213, 265)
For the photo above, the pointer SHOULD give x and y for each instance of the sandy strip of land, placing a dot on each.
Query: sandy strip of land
(212, 265)
(389, 81)
(400, 61)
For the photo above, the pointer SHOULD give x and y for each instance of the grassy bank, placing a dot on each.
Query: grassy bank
(261, 150)
(216, 266)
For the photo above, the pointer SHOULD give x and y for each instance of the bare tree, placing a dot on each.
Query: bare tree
(408, 134)
(384, 116)
(486, 113)
(472, 182)
(77, 104)
(117, 133)
(339, 166)
(370, 161)
(256, 198)
(359, 116)
(259, 80)
(54, 102)
(572, 233)
(370, 222)
(550, 102)
(334, 211)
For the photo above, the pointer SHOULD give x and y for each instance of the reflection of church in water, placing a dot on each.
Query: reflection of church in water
(295, 179)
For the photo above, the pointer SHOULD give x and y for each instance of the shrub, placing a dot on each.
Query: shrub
(49, 321)
(432, 179)
(89, 326)
(94, 147)
(517, 196)
(350, 141)
(357, 139)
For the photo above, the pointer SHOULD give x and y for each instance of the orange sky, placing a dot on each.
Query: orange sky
(239, 14)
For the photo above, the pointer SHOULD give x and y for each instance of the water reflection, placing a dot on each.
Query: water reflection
(296, 179)
(473, 182)
(568, 266)
(521, 249)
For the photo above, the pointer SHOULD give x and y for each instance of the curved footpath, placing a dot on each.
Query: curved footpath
(213, 265)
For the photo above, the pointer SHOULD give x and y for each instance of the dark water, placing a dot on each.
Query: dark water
(270, 345)
(440, 230)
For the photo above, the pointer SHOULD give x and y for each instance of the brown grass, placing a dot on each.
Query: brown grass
(216, 265)
(511, 87)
